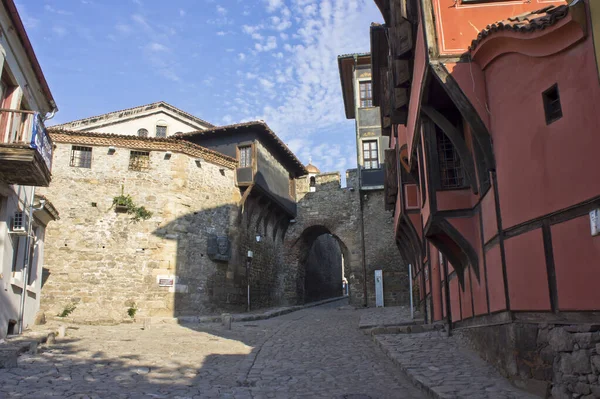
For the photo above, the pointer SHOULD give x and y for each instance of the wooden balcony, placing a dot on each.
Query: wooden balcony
(25, 149)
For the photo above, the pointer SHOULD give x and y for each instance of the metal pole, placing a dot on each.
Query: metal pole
(248, 281)
(410, 282)
(26, 263)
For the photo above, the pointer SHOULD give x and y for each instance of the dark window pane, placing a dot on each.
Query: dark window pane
(81, 157)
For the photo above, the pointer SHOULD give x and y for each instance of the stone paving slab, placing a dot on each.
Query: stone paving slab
(440, 367)
(259, 315)
(386, 317)
(313, 353)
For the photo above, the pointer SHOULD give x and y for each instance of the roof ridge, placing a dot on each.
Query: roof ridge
(156, 103)
(525, 22)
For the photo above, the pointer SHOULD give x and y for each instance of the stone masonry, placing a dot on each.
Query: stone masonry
(104, 264)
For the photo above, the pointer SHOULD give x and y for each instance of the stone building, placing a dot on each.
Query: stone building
(208, 209)
(493, 139)
(25, 164)
(375, 220)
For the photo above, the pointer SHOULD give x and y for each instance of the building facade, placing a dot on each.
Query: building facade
(25, 164)
(493, 137)
(375, 221)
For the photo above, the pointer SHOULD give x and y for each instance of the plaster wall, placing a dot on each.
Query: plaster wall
(544, 168)
(149, 121)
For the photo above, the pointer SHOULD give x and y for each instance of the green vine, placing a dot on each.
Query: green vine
(138, 212)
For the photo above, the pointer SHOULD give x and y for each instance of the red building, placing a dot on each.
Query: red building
(491, 110)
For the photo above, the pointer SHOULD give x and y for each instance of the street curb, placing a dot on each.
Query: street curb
(240, 317)
(417, 382)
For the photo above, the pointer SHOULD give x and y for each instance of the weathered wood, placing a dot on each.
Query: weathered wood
(400, 98)
(401, 41)
(391, 179)
(402, 72)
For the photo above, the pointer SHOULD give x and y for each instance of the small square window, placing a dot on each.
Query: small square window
(161, 131)
(81, 157)
(139, 160)
(552, 106)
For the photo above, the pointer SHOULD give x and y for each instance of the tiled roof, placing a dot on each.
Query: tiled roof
(146, 143)
(524, 23)
(261, 127)
(141, 108)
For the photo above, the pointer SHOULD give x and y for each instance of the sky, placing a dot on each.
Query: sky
(224, 61)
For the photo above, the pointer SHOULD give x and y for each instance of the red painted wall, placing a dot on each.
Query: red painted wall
(436, 276)
(415, 97)
(540, 168)
(458, 24)
(526, 272)
(577, 265)
(466, 300)
(454, 300)
(495, 280)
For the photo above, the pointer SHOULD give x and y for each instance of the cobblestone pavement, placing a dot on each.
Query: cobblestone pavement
(391, 316)
(312, 353)
(440, 366)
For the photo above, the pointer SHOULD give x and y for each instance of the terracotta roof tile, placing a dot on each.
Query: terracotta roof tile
(146, 143)
(262, 126)
(524, 23)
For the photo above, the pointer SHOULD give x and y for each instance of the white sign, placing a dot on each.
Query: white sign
(595, 222)
(379, 288)
(166, 281)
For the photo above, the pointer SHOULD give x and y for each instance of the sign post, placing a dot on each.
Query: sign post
(379, 288)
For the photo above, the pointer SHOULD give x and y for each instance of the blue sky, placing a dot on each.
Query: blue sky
(225, 61)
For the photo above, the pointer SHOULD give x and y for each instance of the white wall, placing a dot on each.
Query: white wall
(14, 199)
(130, 127)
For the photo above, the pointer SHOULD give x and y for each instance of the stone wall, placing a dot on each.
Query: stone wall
(105, 264)
(337, 211)
(381, 252)
(558, 361)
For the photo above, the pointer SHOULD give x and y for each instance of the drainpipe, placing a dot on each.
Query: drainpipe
(362, 240)
(26, 263)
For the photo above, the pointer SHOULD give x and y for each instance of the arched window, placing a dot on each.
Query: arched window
(313, 181)
(142, 133)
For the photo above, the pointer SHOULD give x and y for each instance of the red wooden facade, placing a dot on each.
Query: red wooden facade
(497, 154)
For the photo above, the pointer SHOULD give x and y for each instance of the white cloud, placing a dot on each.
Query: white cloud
(221, 33)
(267, 84)
(242, 56)
(273, 5)
(157, 47)
(59, 31)
(221, 10)
(271, 44)
(182, 12)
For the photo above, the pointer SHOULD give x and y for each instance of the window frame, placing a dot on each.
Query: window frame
(245, 156)
(368, 93)
(370, 151)
(135, 161)
(144, 132)
(449, 165)
(161, 126)
(552, 115)
(76, 158)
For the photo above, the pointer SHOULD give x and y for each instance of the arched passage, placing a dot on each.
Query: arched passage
(322, 257)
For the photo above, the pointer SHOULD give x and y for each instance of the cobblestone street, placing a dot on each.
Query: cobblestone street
(313, 353)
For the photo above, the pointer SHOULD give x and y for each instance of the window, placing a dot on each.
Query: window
(143, 133)
(366, 94)
(370, 154)
(451, 170)
(245, 156)
(313, 181)
(32, 258)
(161, 131)
(81, 157)
(552, 106)
(16, 242)
(139, 160)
